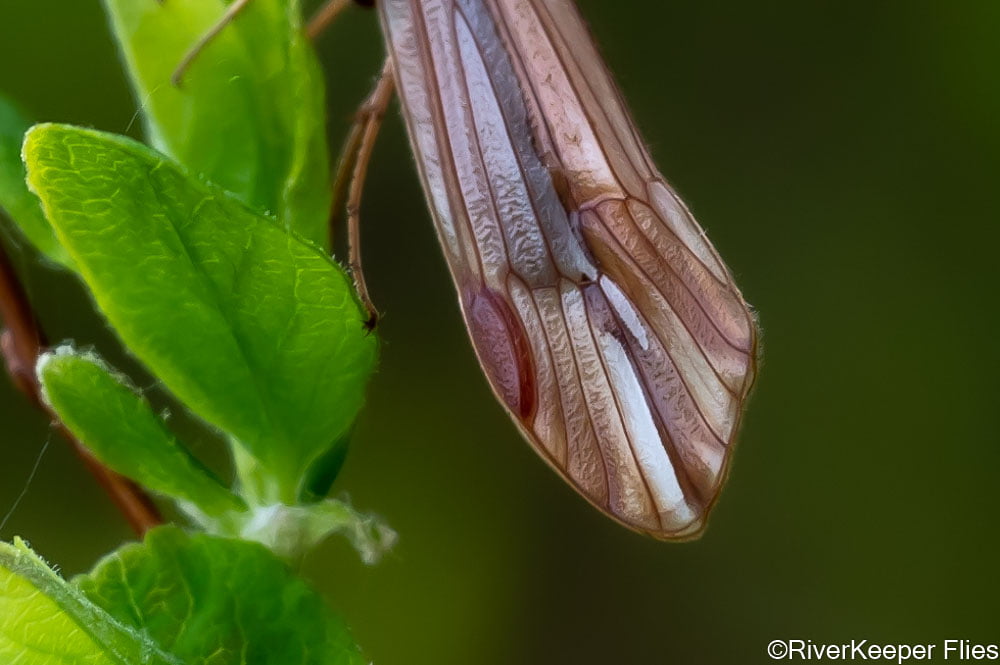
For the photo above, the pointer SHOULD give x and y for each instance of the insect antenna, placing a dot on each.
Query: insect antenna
(230, 14)
(321, 20)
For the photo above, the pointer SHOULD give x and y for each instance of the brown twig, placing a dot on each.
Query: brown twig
(22, 342)
(325, 16)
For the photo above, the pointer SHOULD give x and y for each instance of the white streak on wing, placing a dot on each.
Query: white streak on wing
(646, 442)
(512, 96)
(528, 253)
(623, 306)
(680, 221)
(628, 494)
(412, 82)
(464, 142)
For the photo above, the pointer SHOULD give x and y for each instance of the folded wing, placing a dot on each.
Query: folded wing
(604, 319)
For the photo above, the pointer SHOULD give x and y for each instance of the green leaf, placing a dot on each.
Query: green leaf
(45, 621)
(254, 330)
(119, 427)
(218, 601)
(250, 113)
(173, 600)
(23, 206)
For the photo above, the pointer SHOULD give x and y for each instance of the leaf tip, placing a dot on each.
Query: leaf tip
(35, 134)
(32, 147)
(55, 362)
(43, 368)
(48, 365)
(16, 555)
(23, 547)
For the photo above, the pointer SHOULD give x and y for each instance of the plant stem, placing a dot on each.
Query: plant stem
(324, 17)
(22, 342)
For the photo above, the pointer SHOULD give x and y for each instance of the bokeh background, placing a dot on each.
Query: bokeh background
(844, 158)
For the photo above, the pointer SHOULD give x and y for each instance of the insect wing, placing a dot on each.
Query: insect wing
(604, 319)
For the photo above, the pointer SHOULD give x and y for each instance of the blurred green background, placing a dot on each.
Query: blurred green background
(844, 159)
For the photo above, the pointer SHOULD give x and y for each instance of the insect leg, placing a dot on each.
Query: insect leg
(350, 178)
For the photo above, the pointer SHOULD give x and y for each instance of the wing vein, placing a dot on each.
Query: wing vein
(448, 153)
(550, 26)
(590, 416)
(537, 96)
(459, 12)
(641, 272)
(651, 247)
(688, 485)
(621, 414)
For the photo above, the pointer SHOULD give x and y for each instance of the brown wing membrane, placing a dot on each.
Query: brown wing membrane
(605, 321)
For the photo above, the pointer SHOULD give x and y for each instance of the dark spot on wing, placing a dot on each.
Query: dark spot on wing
(504, 350)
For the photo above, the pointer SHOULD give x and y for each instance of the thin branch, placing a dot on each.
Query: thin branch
(325, 16)
(22, 342)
